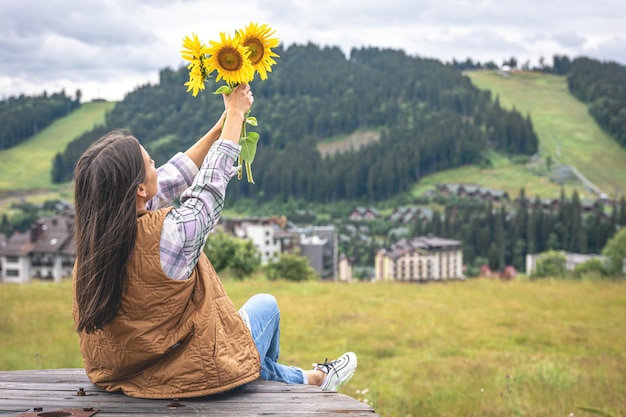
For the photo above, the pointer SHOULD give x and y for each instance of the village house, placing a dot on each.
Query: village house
(469, 190)
(508, 273)
(267, 234)
(408, 215)
(364, 213)
(46, 251)
(473, 191)
(571, 260)
(345, 272)
(273, 236)
(320, 245)
(495, 196)
(3, 242)
(423, 258)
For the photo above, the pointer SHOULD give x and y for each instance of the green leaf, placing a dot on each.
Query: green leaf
(251, 121)
(248, 146)
(223, 90)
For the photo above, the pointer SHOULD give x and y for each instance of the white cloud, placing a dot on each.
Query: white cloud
(569, 39)
(612, 49)
(107, 48)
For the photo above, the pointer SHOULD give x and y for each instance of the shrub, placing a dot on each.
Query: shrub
(239, 256)
(592, 269)
(550, 264)
(290, 267)
(615, 250)
(520, 159)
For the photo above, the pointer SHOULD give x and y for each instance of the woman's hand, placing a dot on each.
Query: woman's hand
(239, 100)
(237, 104)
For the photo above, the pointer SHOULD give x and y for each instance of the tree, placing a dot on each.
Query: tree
(519, 254)
(499, 236)
(578, 238)
(59, 170)
(511, 62)
(592, 269)
(422, 114)
(494, 258)
(615, 250)
(220, 248)
(246, 260)
(239, 256)
(561, 64)
(5, 226)
(549, 163)
(550, 264)
(291, 267)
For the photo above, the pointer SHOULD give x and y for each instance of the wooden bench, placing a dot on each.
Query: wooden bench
(68, 392)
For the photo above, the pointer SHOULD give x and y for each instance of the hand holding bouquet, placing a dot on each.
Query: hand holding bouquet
(236, 59)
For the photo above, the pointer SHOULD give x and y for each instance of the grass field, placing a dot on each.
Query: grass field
(566, 131)
(28, 166)
(474, 348)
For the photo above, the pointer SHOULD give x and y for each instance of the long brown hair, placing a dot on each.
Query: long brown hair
(107, 176)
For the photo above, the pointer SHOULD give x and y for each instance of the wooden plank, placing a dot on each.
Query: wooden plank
(52, 390)
(329, 405)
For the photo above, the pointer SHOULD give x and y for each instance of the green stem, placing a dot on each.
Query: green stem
(244, 134)
(249, 172)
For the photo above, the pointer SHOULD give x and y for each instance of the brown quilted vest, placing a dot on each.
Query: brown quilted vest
(169, 339)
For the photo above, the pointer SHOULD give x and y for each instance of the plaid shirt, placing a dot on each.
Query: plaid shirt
(201, 192)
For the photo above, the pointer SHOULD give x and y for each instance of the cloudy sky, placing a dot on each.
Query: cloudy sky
(107, 48)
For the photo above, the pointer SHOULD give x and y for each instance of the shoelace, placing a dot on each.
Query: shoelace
(326, 366)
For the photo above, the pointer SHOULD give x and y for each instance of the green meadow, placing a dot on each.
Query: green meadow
(567, 133)
(475, 348)
(28, 166)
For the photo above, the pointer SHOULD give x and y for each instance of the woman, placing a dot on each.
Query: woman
(152, 316)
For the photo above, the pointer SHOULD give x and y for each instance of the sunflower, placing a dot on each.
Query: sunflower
(259, 42)
(231, 60)
(196, 78)
(193, 49)
(195, 52)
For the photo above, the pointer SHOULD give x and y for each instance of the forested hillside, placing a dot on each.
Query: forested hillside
(27, 167)
(602, 85)
(24, 116)
(431, 117)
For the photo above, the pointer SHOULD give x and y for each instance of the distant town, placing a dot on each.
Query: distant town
(46, 251)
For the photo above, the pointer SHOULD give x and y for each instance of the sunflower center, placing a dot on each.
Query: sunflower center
(230, 59)
(255, 46)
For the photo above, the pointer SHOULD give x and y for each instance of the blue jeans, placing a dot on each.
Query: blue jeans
(262, 316)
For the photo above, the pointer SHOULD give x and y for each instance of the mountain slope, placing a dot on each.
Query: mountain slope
(28, 165)
(561, 122)
(567, 133)
(430, 117)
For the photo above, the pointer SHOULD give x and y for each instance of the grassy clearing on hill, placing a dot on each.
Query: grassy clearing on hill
(348, 143)
(566, 131)
(28, 166)
(504, 175)
(474, 348)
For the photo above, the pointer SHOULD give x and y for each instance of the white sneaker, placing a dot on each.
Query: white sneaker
(338, 372)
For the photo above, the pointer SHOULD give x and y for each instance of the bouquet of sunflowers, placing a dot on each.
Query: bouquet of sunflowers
(236, 59)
